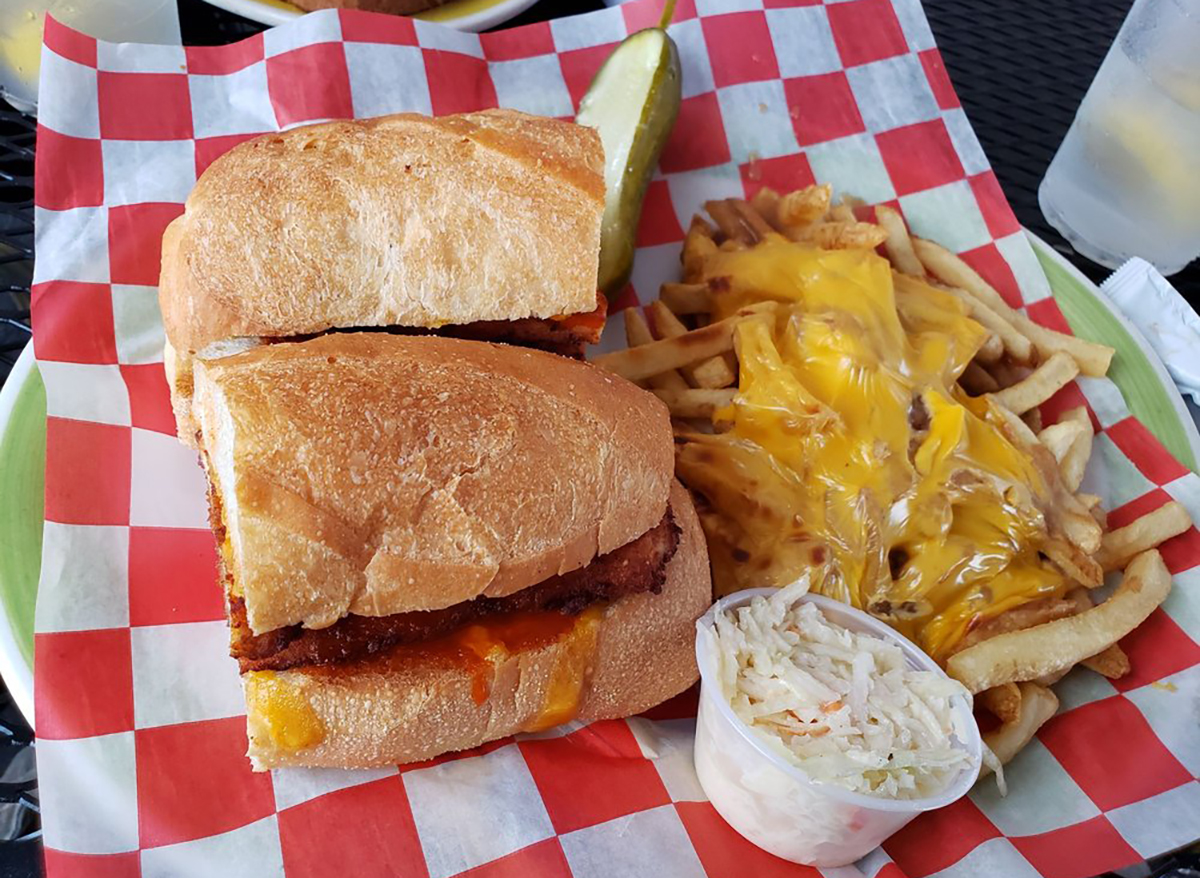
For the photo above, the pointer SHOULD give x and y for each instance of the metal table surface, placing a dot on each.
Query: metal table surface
(1020, 70)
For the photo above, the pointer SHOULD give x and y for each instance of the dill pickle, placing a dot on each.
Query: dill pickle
(632, 102)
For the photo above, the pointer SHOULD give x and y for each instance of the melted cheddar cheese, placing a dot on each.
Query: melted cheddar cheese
(284, 710)
(852, 449)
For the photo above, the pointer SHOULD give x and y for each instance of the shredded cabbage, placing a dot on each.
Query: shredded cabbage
(841, 705)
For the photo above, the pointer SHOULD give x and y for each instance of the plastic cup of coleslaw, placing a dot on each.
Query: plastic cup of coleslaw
(774, 803)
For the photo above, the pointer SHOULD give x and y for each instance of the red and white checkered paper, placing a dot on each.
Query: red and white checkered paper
(139, 714)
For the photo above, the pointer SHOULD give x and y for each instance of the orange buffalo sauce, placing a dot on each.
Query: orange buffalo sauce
(588, 321)
(571, 672)
(854, 451)
(477, 649)
(483, 646)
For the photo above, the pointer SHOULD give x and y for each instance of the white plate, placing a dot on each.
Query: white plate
(472, 15)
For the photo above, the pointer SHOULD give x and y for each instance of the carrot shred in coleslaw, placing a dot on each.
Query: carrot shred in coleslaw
(843, 706)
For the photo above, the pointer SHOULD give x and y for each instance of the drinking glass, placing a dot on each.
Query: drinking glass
(118, 21)
(1126, 179)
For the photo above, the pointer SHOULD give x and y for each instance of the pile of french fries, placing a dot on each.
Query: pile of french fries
(1009, 660)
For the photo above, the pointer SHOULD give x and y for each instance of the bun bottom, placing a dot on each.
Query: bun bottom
(409, 707)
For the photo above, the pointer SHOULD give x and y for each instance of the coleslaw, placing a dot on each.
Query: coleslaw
(843, 706)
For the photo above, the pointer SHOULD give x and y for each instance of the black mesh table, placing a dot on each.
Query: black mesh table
(1020, 70)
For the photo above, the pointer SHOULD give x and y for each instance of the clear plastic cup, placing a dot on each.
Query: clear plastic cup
(1124, 180)
(772, 802)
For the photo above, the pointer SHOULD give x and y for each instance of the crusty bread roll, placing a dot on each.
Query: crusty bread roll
(374, 474)
(397, 221)
(408, 705)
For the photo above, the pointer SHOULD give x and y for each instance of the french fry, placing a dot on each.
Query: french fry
(1051, 679)
(1078, 525)
(976, 380)
(1003, 701)
(698, 245)
(991, 350)
(1045, 381)
(686, 298)
(1093, 358)
(692, 402)
(803, 206)
(1033, 420)
(1147, 532)
(1080, 599)
(1017, 346)
(1018, 618)
(842, 213)
(1068, 518)
(712, 372)
(1074, 463)
(637, 332)
(898, 244)
(738, 221)
(1112, 662)
(1007, 373)
(1061, 436)
(839, 235)
(635, 364)
(1073, 561)
(754, 220)
(765, 201)
(728, 223)
(1017, 430)
(1045, 649)
(1038, 704)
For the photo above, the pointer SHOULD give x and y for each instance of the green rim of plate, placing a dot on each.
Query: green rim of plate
(22, 483)
(1145, 386)
(1140, 382)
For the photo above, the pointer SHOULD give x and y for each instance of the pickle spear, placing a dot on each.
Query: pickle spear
(632, 102)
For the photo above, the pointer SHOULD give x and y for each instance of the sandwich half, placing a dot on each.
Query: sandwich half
(482, 225)
(429, 543)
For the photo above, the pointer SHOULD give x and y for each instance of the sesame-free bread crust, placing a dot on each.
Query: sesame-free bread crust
(374, 474)
(401, 220)
(391, 710)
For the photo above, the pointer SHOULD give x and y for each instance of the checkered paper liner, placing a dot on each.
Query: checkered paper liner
(138, 708)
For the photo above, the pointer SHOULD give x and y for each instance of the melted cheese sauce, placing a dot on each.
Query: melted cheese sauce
(478, 650)
(484, 646)
(853, 449)
(571, 674)
(290, 720)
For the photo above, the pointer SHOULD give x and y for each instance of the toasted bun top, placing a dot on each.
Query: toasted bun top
(375, 474)
(401, 220)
